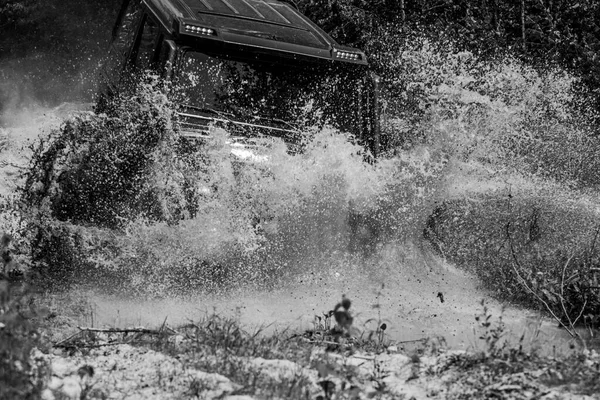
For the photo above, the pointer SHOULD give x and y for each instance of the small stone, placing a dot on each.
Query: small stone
(60, 367)
(71, 388)
(55, 383)
(47, 395)
(178, 339)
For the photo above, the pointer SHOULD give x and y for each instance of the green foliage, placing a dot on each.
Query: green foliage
(491, 332)
(21, 378)
(18, 16)
(352, 22)
(527, 248)
(501, 112)
(117, 166)
(100, 171)
(560, 31)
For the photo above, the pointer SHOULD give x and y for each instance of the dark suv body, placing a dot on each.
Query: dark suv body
(259, 67)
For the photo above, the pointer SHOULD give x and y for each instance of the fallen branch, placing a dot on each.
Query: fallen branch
(91, 346)
(64, 343)
(411, 341)
(59, 344)
(324, 342)
(160, 331)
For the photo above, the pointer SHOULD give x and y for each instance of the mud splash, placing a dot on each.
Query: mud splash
(381, 262)
(401, 288)
(323, 224)
(19, 129)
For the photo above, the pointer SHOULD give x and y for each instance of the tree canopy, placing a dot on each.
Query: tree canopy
(63, 37)
(539, 31)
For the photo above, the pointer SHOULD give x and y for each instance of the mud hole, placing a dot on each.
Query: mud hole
(401, 284)
(422, 299)
(408, 303)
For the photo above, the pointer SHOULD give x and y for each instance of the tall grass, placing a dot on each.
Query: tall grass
(21, 376)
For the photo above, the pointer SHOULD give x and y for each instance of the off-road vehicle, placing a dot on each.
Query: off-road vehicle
(259, 67)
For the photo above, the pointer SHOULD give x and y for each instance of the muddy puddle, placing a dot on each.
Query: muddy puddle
(402, 286)
(406, 295)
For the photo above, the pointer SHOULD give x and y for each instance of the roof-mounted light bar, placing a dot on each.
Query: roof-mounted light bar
(200, 29)
(348, 55)
(193, 28)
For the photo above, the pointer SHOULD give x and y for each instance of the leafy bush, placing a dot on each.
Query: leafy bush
(527, 247)
(94, 175)
(96, 168)
(21, 378)
(500, 112)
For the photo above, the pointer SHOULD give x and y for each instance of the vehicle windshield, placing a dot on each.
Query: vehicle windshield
(264, 92)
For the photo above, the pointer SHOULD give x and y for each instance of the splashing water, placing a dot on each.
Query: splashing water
(268, 220)
(287, 235)
(325, 224)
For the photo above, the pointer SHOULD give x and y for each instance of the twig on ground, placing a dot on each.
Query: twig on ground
(92, 346)
(322, 341)
(160, 331)
(411, 341)
(65, 342)
(59, 344)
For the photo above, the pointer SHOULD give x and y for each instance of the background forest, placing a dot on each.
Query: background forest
(48, 46)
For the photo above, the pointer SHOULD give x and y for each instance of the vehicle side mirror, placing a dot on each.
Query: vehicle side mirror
(167, 58)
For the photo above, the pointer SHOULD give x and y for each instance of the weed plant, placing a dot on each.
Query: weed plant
(220, 345)
(21, 377)
(525, 248)
(500, 370)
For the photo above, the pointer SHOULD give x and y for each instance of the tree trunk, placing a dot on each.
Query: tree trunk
(402, 12)
(523, 25)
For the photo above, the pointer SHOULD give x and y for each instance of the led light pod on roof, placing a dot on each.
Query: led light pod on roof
(202, 30)
(347, 55)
